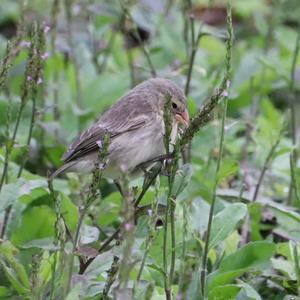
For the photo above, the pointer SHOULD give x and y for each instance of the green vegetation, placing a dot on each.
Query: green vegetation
(224, 223)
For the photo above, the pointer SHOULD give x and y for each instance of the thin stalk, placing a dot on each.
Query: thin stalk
(194, 49)
(32, 122)
(8, 150)
(297, 266)
(93, 194)
(131, 68)
(186, 154)
(165, 260)
(211, 211)
(172, 201)
(68, 11)
(293, 129)
(83, 211)
(75, 242)
(293, 179)
(12, 142)
(111, 278)
(107, 242)
(148, 243)
(266, 165)
(31, 77)
(54, 15)
(221, 145)
(141, 43)
(59, 238)
(127, 231)
(292, 87)
(171, 169)
(186, 23)
(173, 240)
(5, 65)
(183, 253)
(101, 67)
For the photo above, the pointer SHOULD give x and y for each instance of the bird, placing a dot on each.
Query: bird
(135, 126)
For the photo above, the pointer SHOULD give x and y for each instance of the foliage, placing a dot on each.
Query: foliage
(224, 223)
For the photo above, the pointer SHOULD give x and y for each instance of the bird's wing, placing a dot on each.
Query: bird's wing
(89, 140)
(131, 112)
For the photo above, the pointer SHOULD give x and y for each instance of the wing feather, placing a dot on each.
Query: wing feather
(88, 141)
(131, 112)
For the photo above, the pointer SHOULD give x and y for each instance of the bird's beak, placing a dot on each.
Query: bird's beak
(183, 118)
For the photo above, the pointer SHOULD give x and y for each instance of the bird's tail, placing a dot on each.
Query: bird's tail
(62, 169)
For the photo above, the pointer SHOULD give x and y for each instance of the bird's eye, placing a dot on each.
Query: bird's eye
(174, 105)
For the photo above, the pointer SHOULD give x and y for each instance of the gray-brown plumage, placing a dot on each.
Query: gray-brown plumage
(136, 128)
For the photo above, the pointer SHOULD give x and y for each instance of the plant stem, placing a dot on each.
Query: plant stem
(131, 68)
(127, 232)
(221, 145)
(195, 44)
(173, 240)
(54, 15)
(111, 278)
(211, 211)
(141, 43)
(58, 238)
(12, 142)
(293, 128)
(93, 194)
(150, 237)
(170, 209)
(297, 266)
(106, 243)
(32, 122)
(266, 165)
(194, 48)
(101, 67)
(8, 150)
(294, 179)
(165, 260)
(68, 10)
(75, 242)
(183, 253)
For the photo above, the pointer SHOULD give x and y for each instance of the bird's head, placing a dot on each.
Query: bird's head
(179, 111)
(178, 101)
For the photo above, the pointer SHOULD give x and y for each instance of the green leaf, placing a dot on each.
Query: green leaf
(247, 292)
(13, 269)
(4, 292)
(228, 168)
(45, 243)
(198, 214)
(271, 113)
(219, 279)
(253, 256)
(11, 192)
(285, 267)
(69, 211)
(88, 234)
(12, 277)
(224, 292)
(225, 222)
(37, 222)
(100, 264)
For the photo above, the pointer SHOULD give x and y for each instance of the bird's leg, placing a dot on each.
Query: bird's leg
(166, 163)
(119, 187)
(163, 160)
